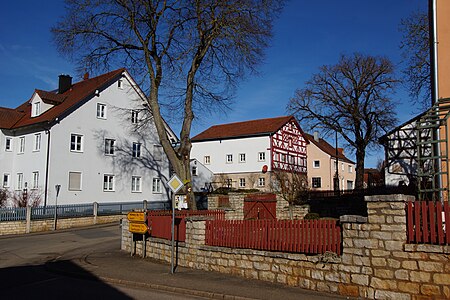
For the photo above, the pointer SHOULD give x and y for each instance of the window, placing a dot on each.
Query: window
(8, 144)
(108, 183)
(136, 184)
(241, 182)
(22, 144)
(342, 167)
(76, 143)
(229, 158)
(36, 109)
(350, 169)
(229, 182)
(101, 111)
(316, 182)
(207, 159)
(157, 152)
(261, 181)
(35, 180)
(156, 186)
(74, 181)
(120, 83)
(194, 171)
(19, 181)
(316, 164)
(242, 157)
(37, 142)
(349, 185)
(6, 180)
(110, 146)
(134, 117)
(262, 156)
(335, 163)
(136, 149)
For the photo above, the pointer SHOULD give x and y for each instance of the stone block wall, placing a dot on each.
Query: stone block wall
(377, 262)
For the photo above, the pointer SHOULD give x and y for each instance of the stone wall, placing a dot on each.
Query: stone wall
(376, 263)
(235, 209)
(20, 227)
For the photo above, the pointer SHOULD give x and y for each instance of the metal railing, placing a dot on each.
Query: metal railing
(78, 210)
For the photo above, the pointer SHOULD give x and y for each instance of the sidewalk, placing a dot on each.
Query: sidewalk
(118, 267)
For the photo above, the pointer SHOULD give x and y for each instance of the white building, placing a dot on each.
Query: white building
(89, 137)
(244, 154)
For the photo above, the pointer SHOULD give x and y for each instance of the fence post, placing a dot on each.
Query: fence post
(28, 226)
(95, 212)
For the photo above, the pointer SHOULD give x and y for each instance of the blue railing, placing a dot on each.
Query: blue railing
(78, 210)
(13, 214)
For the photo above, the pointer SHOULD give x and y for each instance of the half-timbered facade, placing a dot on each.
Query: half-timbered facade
(244, 155)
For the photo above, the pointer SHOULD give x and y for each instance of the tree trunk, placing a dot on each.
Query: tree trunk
(360, 155)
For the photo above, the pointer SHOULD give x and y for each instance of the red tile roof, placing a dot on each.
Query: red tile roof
(242, 129)
(327, 148)
(64, 103)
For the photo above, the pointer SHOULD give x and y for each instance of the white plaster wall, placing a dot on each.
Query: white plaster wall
(204, 176)
(93, 163)
(218, 150)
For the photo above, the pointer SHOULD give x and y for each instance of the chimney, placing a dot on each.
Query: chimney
(65, 82)
(341, 151)
(86, 76)
(316, 136)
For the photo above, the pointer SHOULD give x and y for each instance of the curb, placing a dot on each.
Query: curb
(173, 289)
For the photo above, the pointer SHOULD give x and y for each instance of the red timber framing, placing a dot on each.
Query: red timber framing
(288, 148)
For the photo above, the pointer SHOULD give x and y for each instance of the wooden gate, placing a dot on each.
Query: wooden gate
(260, 207)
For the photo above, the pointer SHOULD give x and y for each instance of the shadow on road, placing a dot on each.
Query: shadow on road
(54, 280)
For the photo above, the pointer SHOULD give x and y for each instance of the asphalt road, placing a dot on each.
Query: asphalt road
(30, 264)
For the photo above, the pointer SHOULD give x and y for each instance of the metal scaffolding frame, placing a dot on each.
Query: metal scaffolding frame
(419, 150)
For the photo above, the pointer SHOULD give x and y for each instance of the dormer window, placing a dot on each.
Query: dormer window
(36, 111)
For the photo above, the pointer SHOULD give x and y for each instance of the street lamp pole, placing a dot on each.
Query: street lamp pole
(57, 188)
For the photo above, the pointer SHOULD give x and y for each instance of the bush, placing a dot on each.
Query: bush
(3, 197)
(312, 216)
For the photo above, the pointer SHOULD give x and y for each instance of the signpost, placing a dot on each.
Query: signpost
(137, 225)
(57, 188)
(175, 184)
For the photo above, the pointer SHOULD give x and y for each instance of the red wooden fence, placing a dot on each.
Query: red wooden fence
(301, 236)
(160, 222)
(428, 222)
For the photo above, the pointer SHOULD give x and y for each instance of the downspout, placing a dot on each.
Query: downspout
(435, 88)
(47, 131)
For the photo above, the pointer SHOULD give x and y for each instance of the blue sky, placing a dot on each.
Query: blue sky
(308, 34)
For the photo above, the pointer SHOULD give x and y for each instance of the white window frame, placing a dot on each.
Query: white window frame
(320, 182)
(35, 181)
(108, 183)
(37, 142)
(134, 116)
(207, 159)
(76, 142)
(21, 145)
(36, 109)
(156, 185)
(8, 144)
(136, 150)
(136, 184)
(229, 158)
(318, 164)
(350, 168)
(71, 188)
(110, 146)
(120, 83)
(242, 157)
(262, 181)
(342, 167)
(101, 111)
(261, 156)
(241, 182)
(19, 186)
(6, 180)
(194, 171)
(352, 184)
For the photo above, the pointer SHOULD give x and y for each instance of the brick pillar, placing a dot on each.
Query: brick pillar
(28, 225)
(95, 212)
(195, 231)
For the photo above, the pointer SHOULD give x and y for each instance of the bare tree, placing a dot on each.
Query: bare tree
(291, 186)
(3, 197)
(416, 55)
(188, 55)
(350, 98)
(32, 198)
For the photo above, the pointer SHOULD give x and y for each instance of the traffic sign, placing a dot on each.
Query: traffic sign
(136, 216)
(138, 228)
(175, 183)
